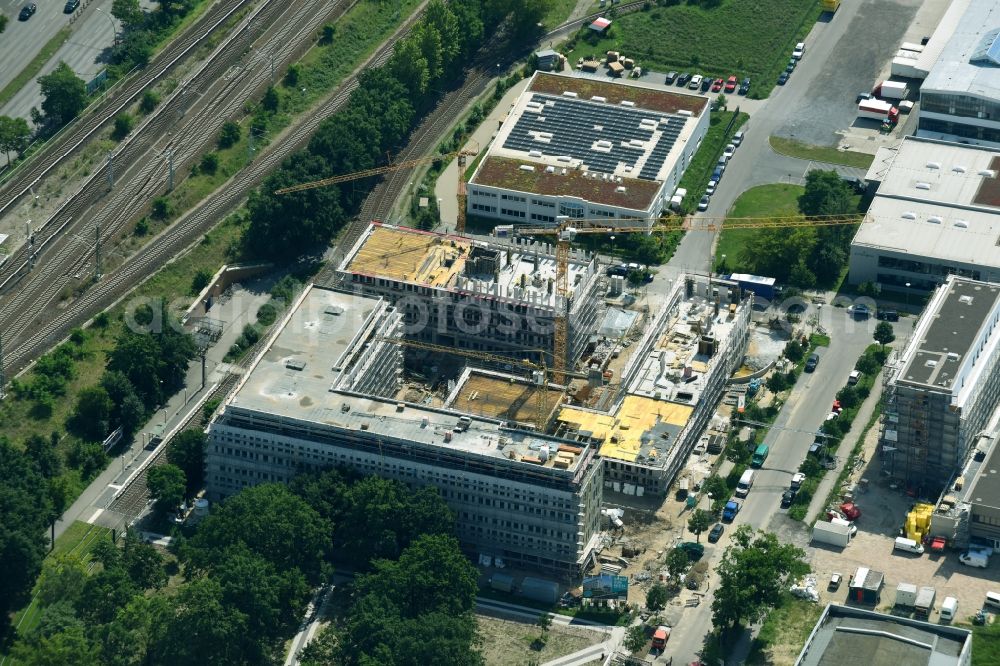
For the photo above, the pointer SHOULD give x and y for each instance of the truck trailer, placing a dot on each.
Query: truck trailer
(832, 533)
(876, 109)
(907, 68)
(906, 595)
(894, 90)
(925, 601)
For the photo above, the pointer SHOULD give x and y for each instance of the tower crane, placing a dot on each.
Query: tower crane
(565, 230)
(461, 155)
(540, 380)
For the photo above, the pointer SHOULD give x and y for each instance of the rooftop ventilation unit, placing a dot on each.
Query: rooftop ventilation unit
(598, 98)
(293, 364)
(534, 153)
(334, 310)
(526, 167)
(567, 93)
(933, 165)
(625, 102)
(684, 112)
(909, 216)
(987, 173)
(961, 224)
(958, 168)
(934, 219)
(620, 188)
(923, 186)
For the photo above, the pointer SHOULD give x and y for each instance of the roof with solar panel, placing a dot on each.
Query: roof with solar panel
(608, 142)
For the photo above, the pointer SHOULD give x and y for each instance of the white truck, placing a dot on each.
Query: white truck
(832, 533)
(876, 109)
(906, 595)
(907, 68)
(925, 601)
(895, 90)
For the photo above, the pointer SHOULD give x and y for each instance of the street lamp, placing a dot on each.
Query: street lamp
(612, 245)
(114, 28)
(907, 295)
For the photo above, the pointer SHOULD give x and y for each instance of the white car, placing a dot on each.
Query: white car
(730, 150)
(799, 51)
(797, 480)
(832, 415)
(703, 204)
(713, 183)
(710, 190)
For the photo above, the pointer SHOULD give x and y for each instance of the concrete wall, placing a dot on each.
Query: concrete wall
(224, 278)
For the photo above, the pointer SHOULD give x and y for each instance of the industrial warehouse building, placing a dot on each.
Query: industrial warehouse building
(315, 399)
(942, 390)
(935, 213)
(846, 635)
(588, 149)
(669, 388)
(960, 97)
(497, 296)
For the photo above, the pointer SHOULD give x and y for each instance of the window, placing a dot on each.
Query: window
(484, 208)
(512, 197)
(511, 213)
(543, 218)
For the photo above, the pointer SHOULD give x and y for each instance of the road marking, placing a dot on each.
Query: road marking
(116, 486)
(94, 517)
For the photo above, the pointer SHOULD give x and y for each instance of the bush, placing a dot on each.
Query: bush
(161, 208)
(141, 227)
(123, 125)
(150, 100)
(267, 314)
(210, 163)
(292, 75)
(229, 134)
(329, 30)
(794, 351)
(200, 281)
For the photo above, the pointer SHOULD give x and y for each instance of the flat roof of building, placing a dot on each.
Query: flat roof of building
(320, 336)
(502, 396)
(404, 254)
(846, 635)
(947, 332)
(982, 479)
(969, 61)
(610, 143)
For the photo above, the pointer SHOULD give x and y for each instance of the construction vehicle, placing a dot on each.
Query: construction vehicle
(461, 155)
(539, 371)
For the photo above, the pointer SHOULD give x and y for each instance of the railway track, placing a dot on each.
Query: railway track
(65, 143)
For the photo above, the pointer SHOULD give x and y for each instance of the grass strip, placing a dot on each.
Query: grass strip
(32, 69)
(775, 200)
(805, 151)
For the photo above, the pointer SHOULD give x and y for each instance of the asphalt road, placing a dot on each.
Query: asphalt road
(22, 40)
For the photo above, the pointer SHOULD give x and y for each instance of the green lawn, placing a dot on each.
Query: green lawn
(784, 632)
(805, 151)
(985, 644)
(760, 201)
(695, 178)
(738, 37)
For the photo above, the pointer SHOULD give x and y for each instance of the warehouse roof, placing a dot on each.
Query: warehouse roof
(845, 635)
(967, 63)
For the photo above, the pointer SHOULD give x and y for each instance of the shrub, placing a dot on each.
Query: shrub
(141, 227)
(150, 100)
(210, 163)
(123, 125)
(229, 134)
(292, 75)
(200, 281)
(161, 208)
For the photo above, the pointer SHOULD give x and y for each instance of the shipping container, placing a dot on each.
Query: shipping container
(906, 595)
(925, 601)
(831, 533)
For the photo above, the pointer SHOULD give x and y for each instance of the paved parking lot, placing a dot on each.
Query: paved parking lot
(828, 108)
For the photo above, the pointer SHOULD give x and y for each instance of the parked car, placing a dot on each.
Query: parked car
(716, 532)
(745, 86)
(862, 97)
(717, 85)
(860, 311)
(730, 150)
(731, 84)
(797, 480)
(834, 582)
(71, 6)
(671, 77)
(710, 190)
(738, 137)
(790, 67)
(683, 79)
(703, 204)
(854, 377)
(786, 498)
(783, 78)
(27, 11)
(731, 509)
(812, 362)
(799, 51)
(695, 82)
(887, 315)
(706, 83)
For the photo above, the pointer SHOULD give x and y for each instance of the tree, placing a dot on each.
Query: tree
(677, 563)
(134, 629)
(754, 573)
(209, 163)
(128, 410)
(635, 638)
(884, 333)
(91, 417)
(3, 22)
(124, 122)
(128, 12)
(150, 100)
(202, 628)
(65, 95)
(848, 397)
(229, 134)
(656, 597)
(699, 522)
(544, 621)
(794, 351)
(14, 135)
(143, 563)
(826, 193)
(70, 646)
(166, 486)
(42, 451)
(62, 579)
(187, 451)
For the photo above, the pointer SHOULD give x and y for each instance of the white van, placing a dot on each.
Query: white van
(949, 607)
(992, 601)
(974, 558)
(908, 545)
(745, 484)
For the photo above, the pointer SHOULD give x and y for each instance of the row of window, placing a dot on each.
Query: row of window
(481, 193)
(991, 134)
(484, 208)
(543, 204)
(963, 106)
(913, 266)
(512, 197)
(543, 218)
(512, 213)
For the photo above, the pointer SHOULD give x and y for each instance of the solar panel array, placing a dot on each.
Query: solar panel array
(571, 123)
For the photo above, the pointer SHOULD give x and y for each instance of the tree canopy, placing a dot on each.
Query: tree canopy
(884, 333)
(166, 486)
(65, 95)
(754, 573)
(14, 135)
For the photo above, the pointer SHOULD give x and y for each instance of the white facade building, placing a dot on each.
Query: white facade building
(588, 149)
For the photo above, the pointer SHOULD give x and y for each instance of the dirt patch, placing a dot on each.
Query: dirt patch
(507, 643)
(644, 98)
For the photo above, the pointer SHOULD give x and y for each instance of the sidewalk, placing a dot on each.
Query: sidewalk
(844, 450)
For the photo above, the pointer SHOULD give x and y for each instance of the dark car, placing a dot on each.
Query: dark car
(783, 78)
(683, 79)
(786, 498)
(861, 312)
(671, 77)
(706, 83)
(812, 362)
(620, 270)
(887, 315)
(71, 6)
(789, 69)
(27, 11)
(862, 97)
(716, 532)
(745, 86)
